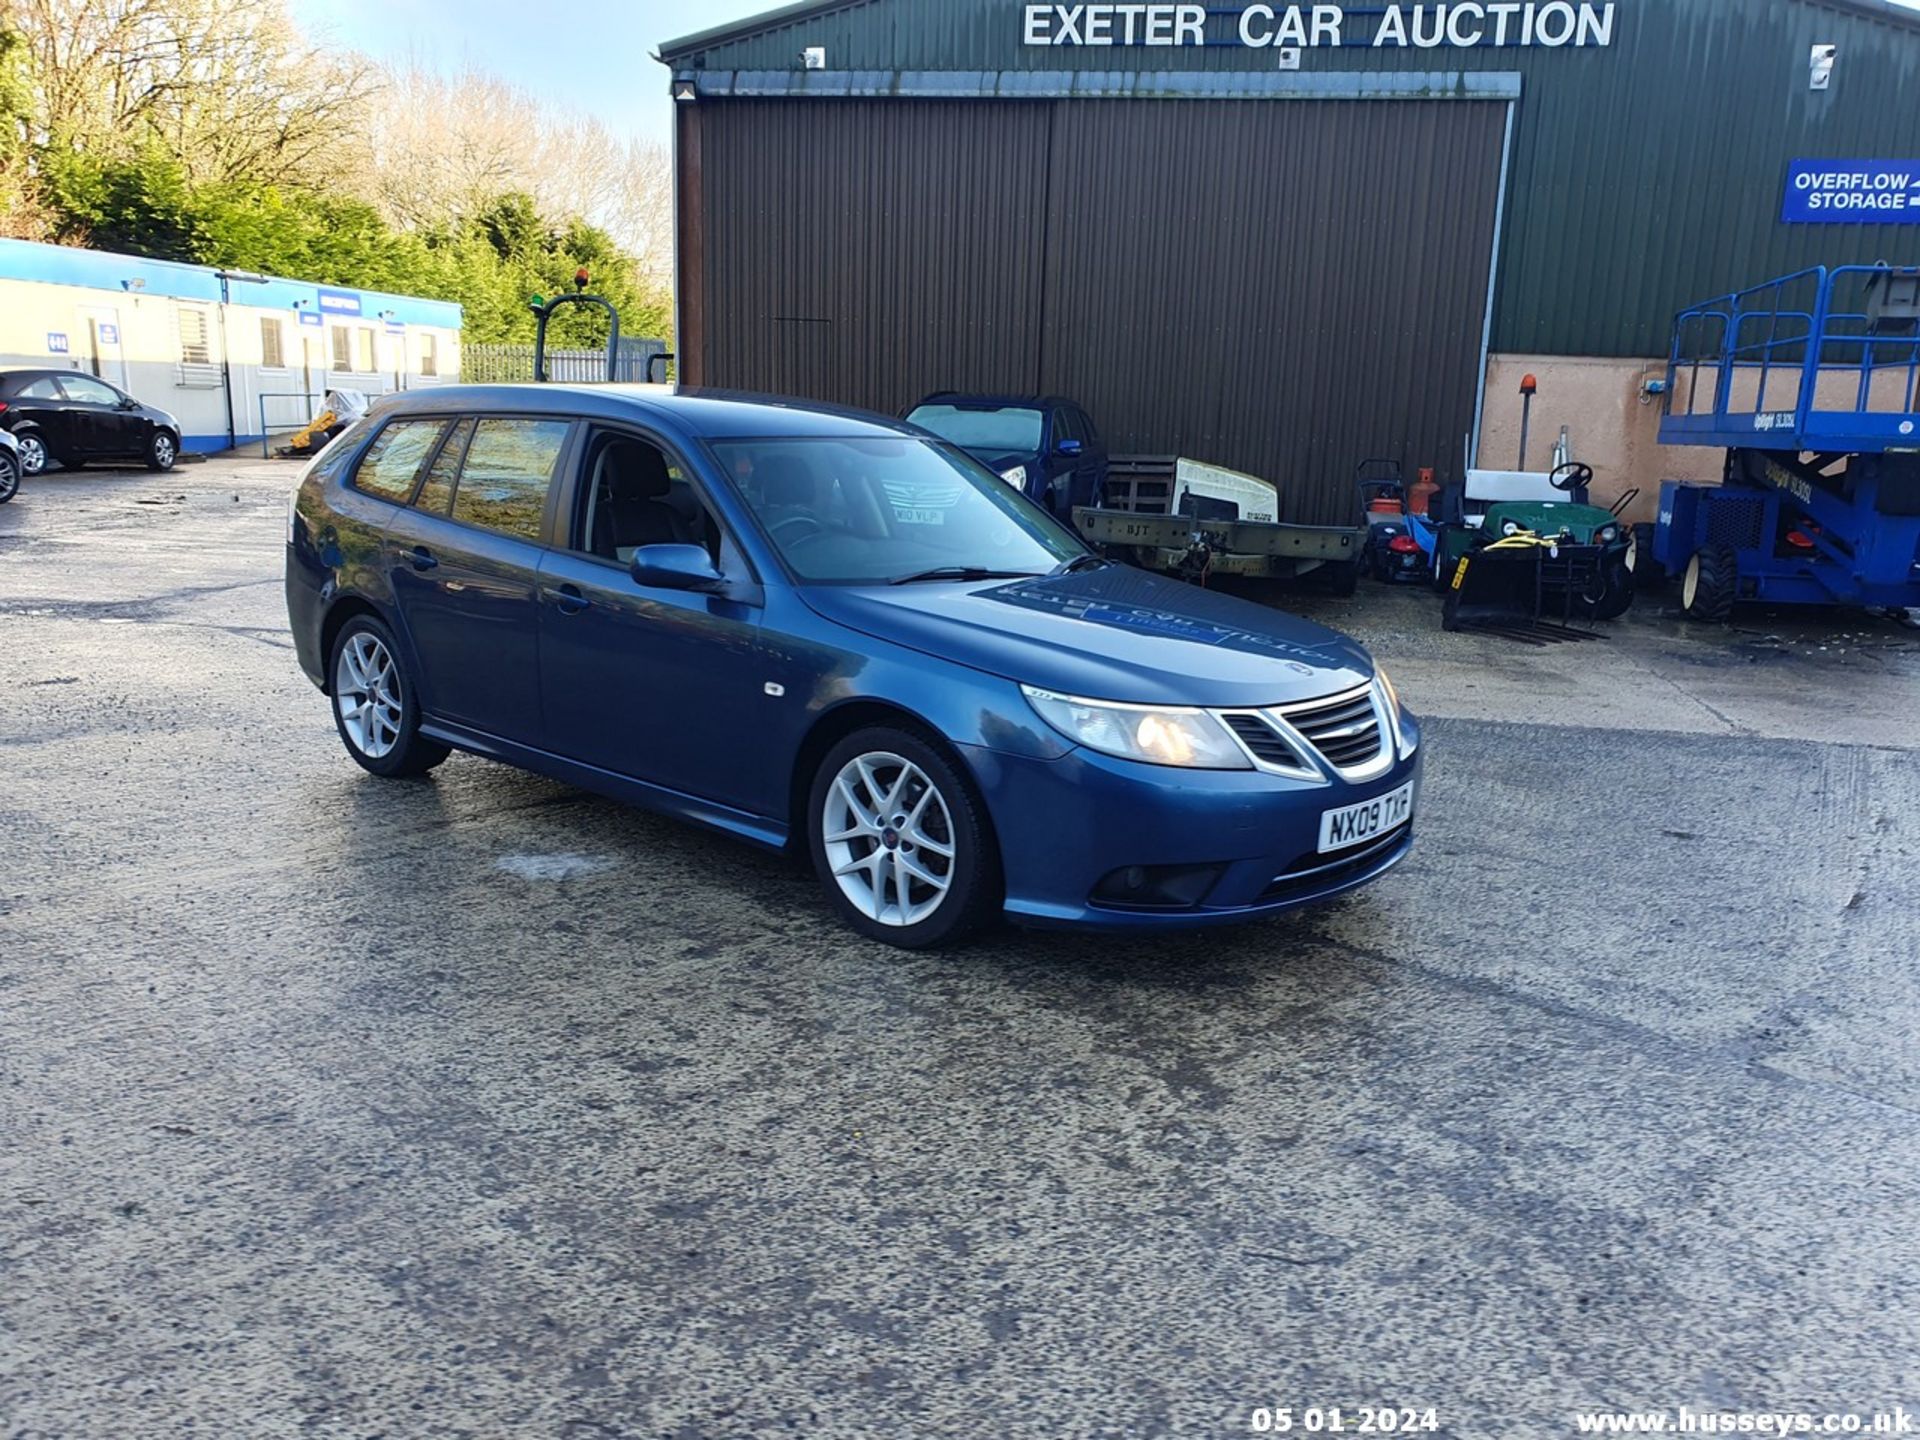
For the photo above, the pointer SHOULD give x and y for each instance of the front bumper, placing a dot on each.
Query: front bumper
(1064, 825)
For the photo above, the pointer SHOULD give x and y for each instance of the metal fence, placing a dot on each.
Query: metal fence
(500, 364)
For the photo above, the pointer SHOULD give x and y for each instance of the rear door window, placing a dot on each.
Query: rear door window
(394, 460)
(507, 472)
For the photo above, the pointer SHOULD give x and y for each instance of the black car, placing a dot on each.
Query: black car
(1042, 445)
(72, 417)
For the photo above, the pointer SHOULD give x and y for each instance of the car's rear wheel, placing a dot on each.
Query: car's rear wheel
(900, 840)
(33, 452)
(374, 706)
(162, 450)
(9, 477)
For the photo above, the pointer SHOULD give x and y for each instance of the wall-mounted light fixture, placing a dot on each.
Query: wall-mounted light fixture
(1820, 67)
(683, 90)
(133, 285)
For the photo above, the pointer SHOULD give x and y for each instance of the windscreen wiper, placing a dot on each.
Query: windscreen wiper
(963, 572)
(1088, 561)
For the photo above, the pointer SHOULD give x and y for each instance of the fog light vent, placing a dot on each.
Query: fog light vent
(1156, 887)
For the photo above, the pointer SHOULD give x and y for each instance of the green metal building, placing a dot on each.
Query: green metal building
(1278, 237)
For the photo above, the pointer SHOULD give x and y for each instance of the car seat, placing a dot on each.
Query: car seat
(631, 508)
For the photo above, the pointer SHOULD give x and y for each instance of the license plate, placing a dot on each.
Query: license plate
(1352, 825)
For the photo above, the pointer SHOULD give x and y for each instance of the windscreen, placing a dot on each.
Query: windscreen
(1011, 429)
(864, 511)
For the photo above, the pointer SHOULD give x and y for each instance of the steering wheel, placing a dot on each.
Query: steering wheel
(815, 528)
(1576, 477)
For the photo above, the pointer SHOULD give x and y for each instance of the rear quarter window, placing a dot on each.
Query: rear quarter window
(392, 463)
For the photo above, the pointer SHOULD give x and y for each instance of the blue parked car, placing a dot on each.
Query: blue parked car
(1044, 446)
(826, 631)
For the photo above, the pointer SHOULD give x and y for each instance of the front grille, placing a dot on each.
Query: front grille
(1345, 729)
(1265, 743)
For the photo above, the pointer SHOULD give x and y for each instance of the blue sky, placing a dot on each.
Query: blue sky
(590, 55)
(593, 56)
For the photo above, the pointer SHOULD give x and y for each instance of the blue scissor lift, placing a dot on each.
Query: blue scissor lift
(1812, 384)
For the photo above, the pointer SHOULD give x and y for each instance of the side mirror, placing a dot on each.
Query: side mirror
(129, 403)
(1068, 447)
(675, 567)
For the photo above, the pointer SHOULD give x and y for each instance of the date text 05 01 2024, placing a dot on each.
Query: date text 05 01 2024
(1334, 1420)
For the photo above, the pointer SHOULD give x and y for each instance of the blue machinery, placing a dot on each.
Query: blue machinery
(1812, 384)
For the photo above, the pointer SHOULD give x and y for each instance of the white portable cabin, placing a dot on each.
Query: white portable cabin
(232, 355)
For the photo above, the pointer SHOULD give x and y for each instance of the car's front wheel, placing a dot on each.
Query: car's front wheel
(374, 705)
(33, 452)
(162, 450)
(900, 840)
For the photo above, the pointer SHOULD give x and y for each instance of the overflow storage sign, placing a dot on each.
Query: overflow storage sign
(1460, 25)
(1852, 192)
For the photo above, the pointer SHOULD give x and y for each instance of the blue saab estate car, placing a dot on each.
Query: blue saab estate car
(823, 630)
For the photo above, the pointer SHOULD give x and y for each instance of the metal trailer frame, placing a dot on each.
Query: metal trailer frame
(1816, 399)
(1138, 520)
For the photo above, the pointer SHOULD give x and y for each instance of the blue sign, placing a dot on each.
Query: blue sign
(1852, 192)
(311, 317)
(56, 342)
(109, 334)
(339, 302)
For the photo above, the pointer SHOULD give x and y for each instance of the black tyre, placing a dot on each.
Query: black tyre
(1340, 577)
(1615, 595)
(375, 708)
(163, 448)
(33, 452)
(900, 840)
(1648, 573)
(9, 477)
(1712, 580)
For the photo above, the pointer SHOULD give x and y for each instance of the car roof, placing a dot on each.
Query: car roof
(698, 413)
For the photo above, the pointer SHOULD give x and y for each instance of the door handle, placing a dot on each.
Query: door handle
(569, 600)
(423, 558)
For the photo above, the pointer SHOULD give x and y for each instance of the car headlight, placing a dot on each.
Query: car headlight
(1510, 528)
(1157, 735)
(1016, 477)
(1607, 534)
(1392, 699)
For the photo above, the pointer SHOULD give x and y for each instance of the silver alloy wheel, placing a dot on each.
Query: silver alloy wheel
(9, 476)
(163, 449)
(366, 690)
(888, 838)
(33, 455)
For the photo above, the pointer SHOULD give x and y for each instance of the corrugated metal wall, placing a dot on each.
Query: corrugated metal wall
(1236, 281)
(1646, 175)
(1229, 280)
(855, 252)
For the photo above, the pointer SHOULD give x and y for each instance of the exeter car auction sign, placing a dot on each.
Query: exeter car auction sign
(1458, 25)
(1852, 192)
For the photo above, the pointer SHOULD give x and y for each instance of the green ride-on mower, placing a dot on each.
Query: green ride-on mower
(1518, 552)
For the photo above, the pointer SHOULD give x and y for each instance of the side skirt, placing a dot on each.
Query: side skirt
(755, 829)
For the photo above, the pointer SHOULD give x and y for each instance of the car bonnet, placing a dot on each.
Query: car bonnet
(1114, 633)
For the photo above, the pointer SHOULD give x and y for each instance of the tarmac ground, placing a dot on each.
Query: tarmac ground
(485, 1107)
